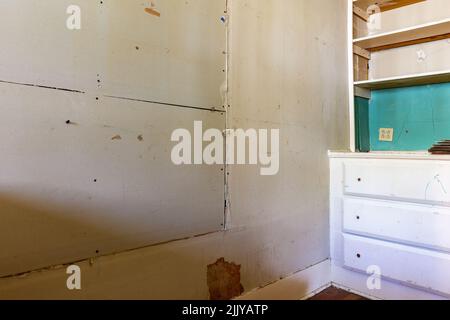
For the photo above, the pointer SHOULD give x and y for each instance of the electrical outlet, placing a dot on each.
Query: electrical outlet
(387, 134)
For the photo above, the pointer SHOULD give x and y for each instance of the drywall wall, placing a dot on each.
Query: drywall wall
(287, 71)
(87, 167)
(101, 184)
(120, 49)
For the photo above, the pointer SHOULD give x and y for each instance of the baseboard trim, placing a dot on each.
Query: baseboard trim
(309, 282)
(357, 283)
(299, 286)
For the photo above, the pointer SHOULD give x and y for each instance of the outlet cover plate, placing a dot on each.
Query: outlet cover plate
(386, 134)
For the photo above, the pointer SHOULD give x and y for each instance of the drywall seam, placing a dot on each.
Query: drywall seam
(212, 109)
(41, 86)
(226, 105)
(91, 260)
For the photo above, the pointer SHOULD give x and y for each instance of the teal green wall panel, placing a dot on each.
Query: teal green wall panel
(419, 115)
(362, 132)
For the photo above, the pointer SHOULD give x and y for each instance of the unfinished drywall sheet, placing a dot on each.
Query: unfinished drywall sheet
(121, 49)
(283, 78)
(174, 53)
(102, 183)
(38, 48)
(85, 174)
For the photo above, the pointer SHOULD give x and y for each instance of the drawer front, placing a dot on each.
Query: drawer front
(418, 225)
(421, 268)
(423, 182)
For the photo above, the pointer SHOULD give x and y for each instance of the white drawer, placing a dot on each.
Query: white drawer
(421, 268)
(418, 225)
(415, 181)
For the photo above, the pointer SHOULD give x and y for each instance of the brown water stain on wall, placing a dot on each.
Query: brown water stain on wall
(224, 280)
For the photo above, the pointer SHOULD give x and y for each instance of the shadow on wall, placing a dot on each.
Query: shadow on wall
(29, 226)
(36, 234)
(175, 270)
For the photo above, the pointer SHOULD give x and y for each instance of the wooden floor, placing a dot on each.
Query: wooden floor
(333, 293)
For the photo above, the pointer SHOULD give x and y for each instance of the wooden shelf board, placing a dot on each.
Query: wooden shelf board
(408, 36)
(385, 5)
(405, 81)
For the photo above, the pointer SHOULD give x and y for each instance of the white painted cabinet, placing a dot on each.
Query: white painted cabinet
(391, 212)
(409, 265)
(398, 180)
(420, 225)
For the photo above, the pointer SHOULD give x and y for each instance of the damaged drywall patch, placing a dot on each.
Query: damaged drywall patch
(224, 280)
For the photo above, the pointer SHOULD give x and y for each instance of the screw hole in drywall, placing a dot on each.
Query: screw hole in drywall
(359, 179)
(358, 256)
(357, 217)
